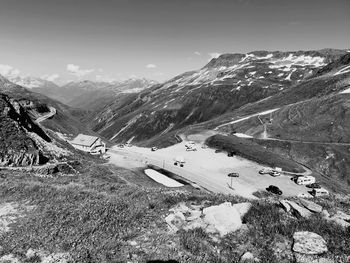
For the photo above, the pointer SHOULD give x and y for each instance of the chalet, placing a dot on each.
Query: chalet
(87, 143)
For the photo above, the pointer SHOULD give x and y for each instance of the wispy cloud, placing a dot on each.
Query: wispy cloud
(75, 70)
(197, 53)
(9, 71)
(150, 66)
(51, 77)
(102, 78)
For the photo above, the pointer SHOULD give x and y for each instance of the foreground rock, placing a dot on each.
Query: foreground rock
(309, 243)
(217, 220)
(222, 219)
(298, 210)
(313, 207)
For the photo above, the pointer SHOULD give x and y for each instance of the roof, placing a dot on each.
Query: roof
(84, 140)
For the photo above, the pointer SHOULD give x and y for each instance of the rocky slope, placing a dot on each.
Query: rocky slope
(66, 119)
(18, 148)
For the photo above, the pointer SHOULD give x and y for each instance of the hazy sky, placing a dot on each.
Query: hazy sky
(157, 39)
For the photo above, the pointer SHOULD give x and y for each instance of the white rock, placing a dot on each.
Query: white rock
(222, 219)
(242, 208)
(247, 257)
(310, 243)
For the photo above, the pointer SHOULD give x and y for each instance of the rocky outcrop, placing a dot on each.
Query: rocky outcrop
(23, 159)
(17, 148)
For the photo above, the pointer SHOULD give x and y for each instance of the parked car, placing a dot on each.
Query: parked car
(265, 171)
(121, 145)
(234, 174)
(319, 192)
(188, 149)
(274, 189)
(179, 163)
(231, 154)
(153, 149)
(274, 173)
(314, 185)
(305, 180)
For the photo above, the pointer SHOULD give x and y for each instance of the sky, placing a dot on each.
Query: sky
(105, 40)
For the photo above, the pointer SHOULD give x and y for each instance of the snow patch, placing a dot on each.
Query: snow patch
(345, 91)
(248, 117)
(162, 179)
(242, 135)
(343, 70)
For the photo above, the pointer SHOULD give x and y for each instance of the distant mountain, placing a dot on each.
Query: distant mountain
(32, 82)
(66, 119)
(97, 98)
(224, 85)
(89, 94)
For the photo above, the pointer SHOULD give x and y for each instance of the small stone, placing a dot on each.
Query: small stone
(309, 243)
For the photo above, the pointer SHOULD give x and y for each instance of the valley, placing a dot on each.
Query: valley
(210, 134)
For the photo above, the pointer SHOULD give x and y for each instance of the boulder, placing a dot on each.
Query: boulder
(303, 258)
(285, 205)
(298, 210)
(313, 207)
(222, 219)
(309, 243)
(247, 257)
(341, 219)
(242, 208)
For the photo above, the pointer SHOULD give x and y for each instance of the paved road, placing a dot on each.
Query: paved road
(47, 115)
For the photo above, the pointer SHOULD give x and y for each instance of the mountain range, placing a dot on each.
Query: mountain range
(293, 103)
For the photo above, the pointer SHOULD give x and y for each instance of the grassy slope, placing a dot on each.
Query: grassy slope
(253, 151)
(331, 171)
(95, 214)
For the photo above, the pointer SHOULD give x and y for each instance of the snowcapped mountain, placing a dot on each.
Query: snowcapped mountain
(32, 82)
(90, 95)
(225, 84)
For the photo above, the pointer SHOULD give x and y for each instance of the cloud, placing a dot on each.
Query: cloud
(51, 77)
(77, 71)
(102, 78)
(213, 55)
(197, 53)
(9, 71)
(151, 66)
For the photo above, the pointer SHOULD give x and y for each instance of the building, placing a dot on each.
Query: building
(87, 143)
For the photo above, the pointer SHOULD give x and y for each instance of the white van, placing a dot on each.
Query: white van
(319, 192)
(303, 180)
